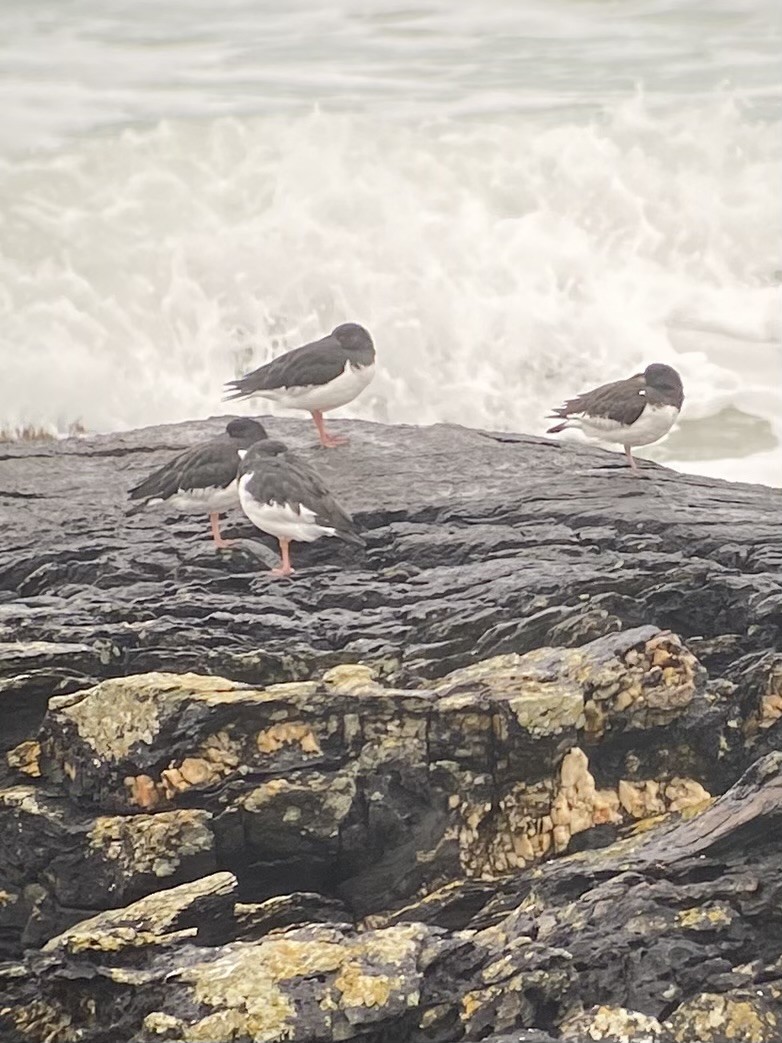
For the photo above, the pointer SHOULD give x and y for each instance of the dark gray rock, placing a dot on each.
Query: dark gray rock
(478, 543)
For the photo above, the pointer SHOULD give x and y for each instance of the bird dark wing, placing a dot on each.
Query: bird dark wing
(312, 364)
(317, 498)
(620, 400)
(209, 465)
(285, 478)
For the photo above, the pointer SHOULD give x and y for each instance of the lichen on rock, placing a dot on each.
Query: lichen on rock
(476, 785)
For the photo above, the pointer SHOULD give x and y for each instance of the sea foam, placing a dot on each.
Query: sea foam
(500, 264)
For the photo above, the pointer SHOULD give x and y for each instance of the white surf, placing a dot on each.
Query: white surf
(514, 223)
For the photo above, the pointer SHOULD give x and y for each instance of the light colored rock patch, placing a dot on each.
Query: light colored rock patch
(252, 986)
(146, 921)
(651, 685)
(25, 799)
(352, 679)
(291, 733)
(532, 820)
(711, 1018)
(25, 758)
(217, 757)
(541, 702)
(649, 798)
(614, 1024)
(708, 917)
(155, 844)
(114, 715)
(41, 1020)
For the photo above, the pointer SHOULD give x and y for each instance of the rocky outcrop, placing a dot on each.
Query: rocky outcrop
(477, 544)
(669, 935)
(512, 775)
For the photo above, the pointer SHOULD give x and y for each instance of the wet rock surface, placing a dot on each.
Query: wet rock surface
(478, 544)
(513, 774)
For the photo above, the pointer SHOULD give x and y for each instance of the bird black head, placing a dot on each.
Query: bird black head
(258, 453)
(662, 377)
(266, 447)
(245, 431)
(664, 385)
(352, 337)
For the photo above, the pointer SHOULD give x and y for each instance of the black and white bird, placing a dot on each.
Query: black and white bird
(320, 376)
(285, 498)
(202, 479)
(633, 412)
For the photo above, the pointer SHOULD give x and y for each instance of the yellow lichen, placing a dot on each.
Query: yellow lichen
(38, 1021)
(162, 1024)
(471, 1002)
(294, 732)
(351, 679)
(616, 1024)
(26, 757)
(265, 1019)
(117, 714)
(25, 800)
(714, 1017)
(360, 989)
(708, 916)
(152, 843)
(152, 917)
(144, 792)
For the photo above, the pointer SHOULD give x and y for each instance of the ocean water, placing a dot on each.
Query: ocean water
(520, 199)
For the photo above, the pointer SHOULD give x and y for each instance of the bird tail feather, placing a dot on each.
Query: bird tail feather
(233, 390)
(352, 538)
(557, 427)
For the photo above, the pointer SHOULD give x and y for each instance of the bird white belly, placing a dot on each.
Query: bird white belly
(338, 392)
(204, 501)
(651, 425)
(280, 519)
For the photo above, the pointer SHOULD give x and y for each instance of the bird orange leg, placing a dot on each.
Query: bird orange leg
(327, 440)
(285, 568)
(214, 522)
(631, 459)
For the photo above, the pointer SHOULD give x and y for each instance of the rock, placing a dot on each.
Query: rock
(313, 982)
(614, 1025)
(60, 864)
(647, 939)
(200, 910)
(636, 934)
(478, 544)
(31, 672)
(256, 919)
(514, 775)
(382, 791)
(741, 1017)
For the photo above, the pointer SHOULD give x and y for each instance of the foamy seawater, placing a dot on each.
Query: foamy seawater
(519, 200)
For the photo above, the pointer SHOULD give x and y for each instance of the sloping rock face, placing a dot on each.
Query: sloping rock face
(512, 775)
(478, 544)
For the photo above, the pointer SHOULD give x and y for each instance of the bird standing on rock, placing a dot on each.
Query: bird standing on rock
(633, 412)
(285, 498)
(202, 479)
(317, 377)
